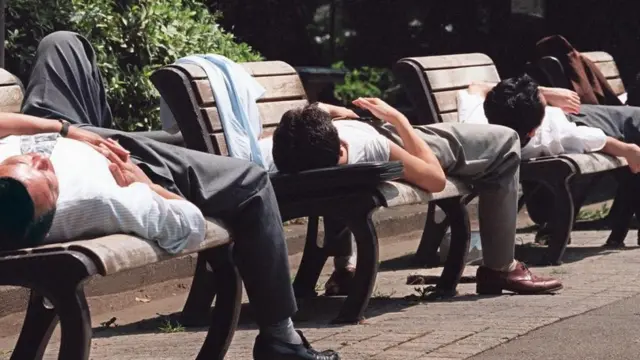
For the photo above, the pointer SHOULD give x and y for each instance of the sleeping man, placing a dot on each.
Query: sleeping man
(60, 182)
(486, 157)
(551, 121)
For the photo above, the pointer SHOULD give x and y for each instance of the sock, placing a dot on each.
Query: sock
(349, 261)
(283, 331)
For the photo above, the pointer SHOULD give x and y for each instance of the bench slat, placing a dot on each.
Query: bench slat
(608, 69)
(598, 56)
(596, 162)
(270, 112)
(257, 69)
(10, 98)
(451, 79)
(449, 117)
(452, 61)
(280, 87)
(617, 86)
(397, 193)
(446, 100)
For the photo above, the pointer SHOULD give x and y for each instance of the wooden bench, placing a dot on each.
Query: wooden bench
(188, 94)
(432, 82)
(55, 275)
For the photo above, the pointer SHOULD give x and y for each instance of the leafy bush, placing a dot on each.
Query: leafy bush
(362, 82)
(132, 38)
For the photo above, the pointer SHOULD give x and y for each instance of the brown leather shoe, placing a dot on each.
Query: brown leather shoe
(520, 281)
(340, 282)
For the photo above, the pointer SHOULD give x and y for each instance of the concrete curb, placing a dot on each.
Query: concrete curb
(389, 224)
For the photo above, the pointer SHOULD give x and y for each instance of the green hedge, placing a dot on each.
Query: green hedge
(132, 38)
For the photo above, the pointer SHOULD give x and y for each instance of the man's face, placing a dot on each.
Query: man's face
(36, 173)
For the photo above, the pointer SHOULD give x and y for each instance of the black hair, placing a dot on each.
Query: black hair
(515, 103)
(18, 225)
(305, 139)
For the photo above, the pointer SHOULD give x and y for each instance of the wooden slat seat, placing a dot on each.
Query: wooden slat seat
(397, 193)
(58, 272)
(432, 83)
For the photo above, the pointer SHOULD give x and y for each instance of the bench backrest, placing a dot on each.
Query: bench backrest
(608, 67)
(431, 82)
(11, 92)
(202, 129)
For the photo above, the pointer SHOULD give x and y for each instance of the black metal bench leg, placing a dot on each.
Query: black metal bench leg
(562, 224)
(313, 260)
(353, 308)
(460, 239)
(39, 323)
(75, 324)
(225, 314)
(198, 305)
(427, 253)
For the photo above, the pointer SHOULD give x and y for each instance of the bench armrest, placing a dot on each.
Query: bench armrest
(328, 180)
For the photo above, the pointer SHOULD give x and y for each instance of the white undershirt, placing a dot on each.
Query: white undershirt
(556, 135)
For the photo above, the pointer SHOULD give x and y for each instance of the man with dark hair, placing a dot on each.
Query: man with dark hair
(487, 158)
(551, 121)
(131, 184)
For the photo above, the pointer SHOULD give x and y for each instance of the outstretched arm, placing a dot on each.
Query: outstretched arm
(421, 167)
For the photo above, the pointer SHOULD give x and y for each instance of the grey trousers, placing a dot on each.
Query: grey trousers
(65, 83)
(487, 157)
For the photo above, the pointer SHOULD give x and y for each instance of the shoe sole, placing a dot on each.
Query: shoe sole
(542, 292)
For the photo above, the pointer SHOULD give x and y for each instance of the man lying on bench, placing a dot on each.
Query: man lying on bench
(70, 183)
(488, 158)
(551, 121)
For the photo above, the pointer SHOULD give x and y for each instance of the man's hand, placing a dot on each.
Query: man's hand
(96, 141)
(567, 100)
(338, 112)
(124, 172)
(381, 110)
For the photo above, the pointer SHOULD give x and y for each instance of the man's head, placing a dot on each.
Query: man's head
(306, 139)
(517, 104)
(28, 195)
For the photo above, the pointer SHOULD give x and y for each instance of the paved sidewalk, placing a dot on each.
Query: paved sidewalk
(398, 326)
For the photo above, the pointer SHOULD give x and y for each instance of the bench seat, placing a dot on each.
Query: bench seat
(398, 193)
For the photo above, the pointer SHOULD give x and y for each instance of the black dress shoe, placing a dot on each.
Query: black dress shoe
(268, 348)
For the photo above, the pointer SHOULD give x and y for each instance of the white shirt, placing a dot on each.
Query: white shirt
(91, 204)
(364, 144)
(556, 135)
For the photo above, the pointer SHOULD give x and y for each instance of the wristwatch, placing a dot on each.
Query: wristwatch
(64, 131)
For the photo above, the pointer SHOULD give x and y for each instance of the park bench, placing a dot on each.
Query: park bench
(432, 82)
(337, 193)
(55, 274)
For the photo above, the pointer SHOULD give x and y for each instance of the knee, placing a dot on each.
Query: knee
(60, 38)
(256, 176)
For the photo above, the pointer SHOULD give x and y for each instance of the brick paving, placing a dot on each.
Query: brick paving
(399, 327)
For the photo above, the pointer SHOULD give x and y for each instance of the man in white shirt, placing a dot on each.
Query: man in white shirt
(66, 181)
(486, 157)
(552, 121)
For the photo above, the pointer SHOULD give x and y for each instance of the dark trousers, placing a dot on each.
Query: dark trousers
(66, 84)
(620, 122)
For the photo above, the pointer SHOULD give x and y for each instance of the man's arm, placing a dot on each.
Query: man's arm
(421, 167)
(567, 100)
(631, 152)
(337, 112)
(20, 124)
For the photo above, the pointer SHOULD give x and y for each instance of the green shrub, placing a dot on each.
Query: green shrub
(362, 82)
(132, 38)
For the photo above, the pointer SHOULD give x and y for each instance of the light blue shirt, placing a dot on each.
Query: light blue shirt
(236, 93)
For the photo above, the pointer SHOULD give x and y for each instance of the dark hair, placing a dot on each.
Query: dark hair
(516, 104)
(18, 226)
(305, 139)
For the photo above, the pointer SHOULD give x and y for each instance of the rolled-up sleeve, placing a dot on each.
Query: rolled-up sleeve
(173, 224)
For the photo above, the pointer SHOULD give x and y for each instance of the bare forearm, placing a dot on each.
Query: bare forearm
(616, 147)
(20, 124)
(165, 193)
(413, 144)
